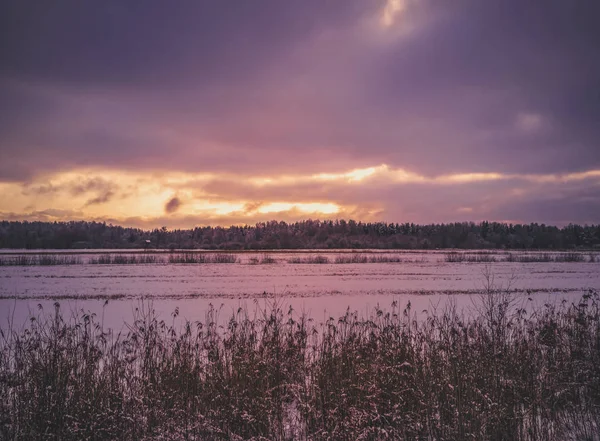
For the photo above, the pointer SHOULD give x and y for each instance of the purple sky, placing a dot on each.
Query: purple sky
(154, 113)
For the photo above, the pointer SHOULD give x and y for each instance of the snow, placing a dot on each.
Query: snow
(319, 289)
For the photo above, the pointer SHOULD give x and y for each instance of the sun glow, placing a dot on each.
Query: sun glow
(392, 9)
(358, 174)
(312, 207)
(202, 206)
(471, 177)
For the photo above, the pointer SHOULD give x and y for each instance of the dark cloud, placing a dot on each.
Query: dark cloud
(270, 87)
(93, 184)
(104, 189)
(478, 66)
(553, 205)
(172, 205)
(102, 199)
(138, 43)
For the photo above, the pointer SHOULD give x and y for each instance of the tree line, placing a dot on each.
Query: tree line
(307, 234)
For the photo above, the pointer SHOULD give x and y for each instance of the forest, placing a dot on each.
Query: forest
(308, 234)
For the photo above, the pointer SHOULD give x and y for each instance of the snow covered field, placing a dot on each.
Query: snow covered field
(425, 279)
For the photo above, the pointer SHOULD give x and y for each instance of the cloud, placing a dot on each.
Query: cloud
(385, 194)
(392, 9)
(529, 122)
(49, 215)
(319, 83)
(74, 188)
(462, 96)
(74, 185)
(172, 205)
(102, 199)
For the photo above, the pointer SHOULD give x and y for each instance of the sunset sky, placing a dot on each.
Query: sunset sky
(182, 113)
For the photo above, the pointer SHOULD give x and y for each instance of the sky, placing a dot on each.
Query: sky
(152, 113)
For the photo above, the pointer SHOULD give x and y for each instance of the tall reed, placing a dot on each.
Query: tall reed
(42, 259)
(502, 374)
(318, 259)
(125, 259)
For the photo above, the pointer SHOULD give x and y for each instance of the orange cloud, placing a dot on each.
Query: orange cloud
(368, 193)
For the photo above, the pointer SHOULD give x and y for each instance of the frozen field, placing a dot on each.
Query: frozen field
(426, 279)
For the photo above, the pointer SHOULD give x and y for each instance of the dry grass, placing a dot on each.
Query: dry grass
(545, 257)
(319, 259)
(42, 259)
(198, 258)
(125, 259)
(459, 257)
(363, 258)
(265, 259)
(455, 257)
(501, 375)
